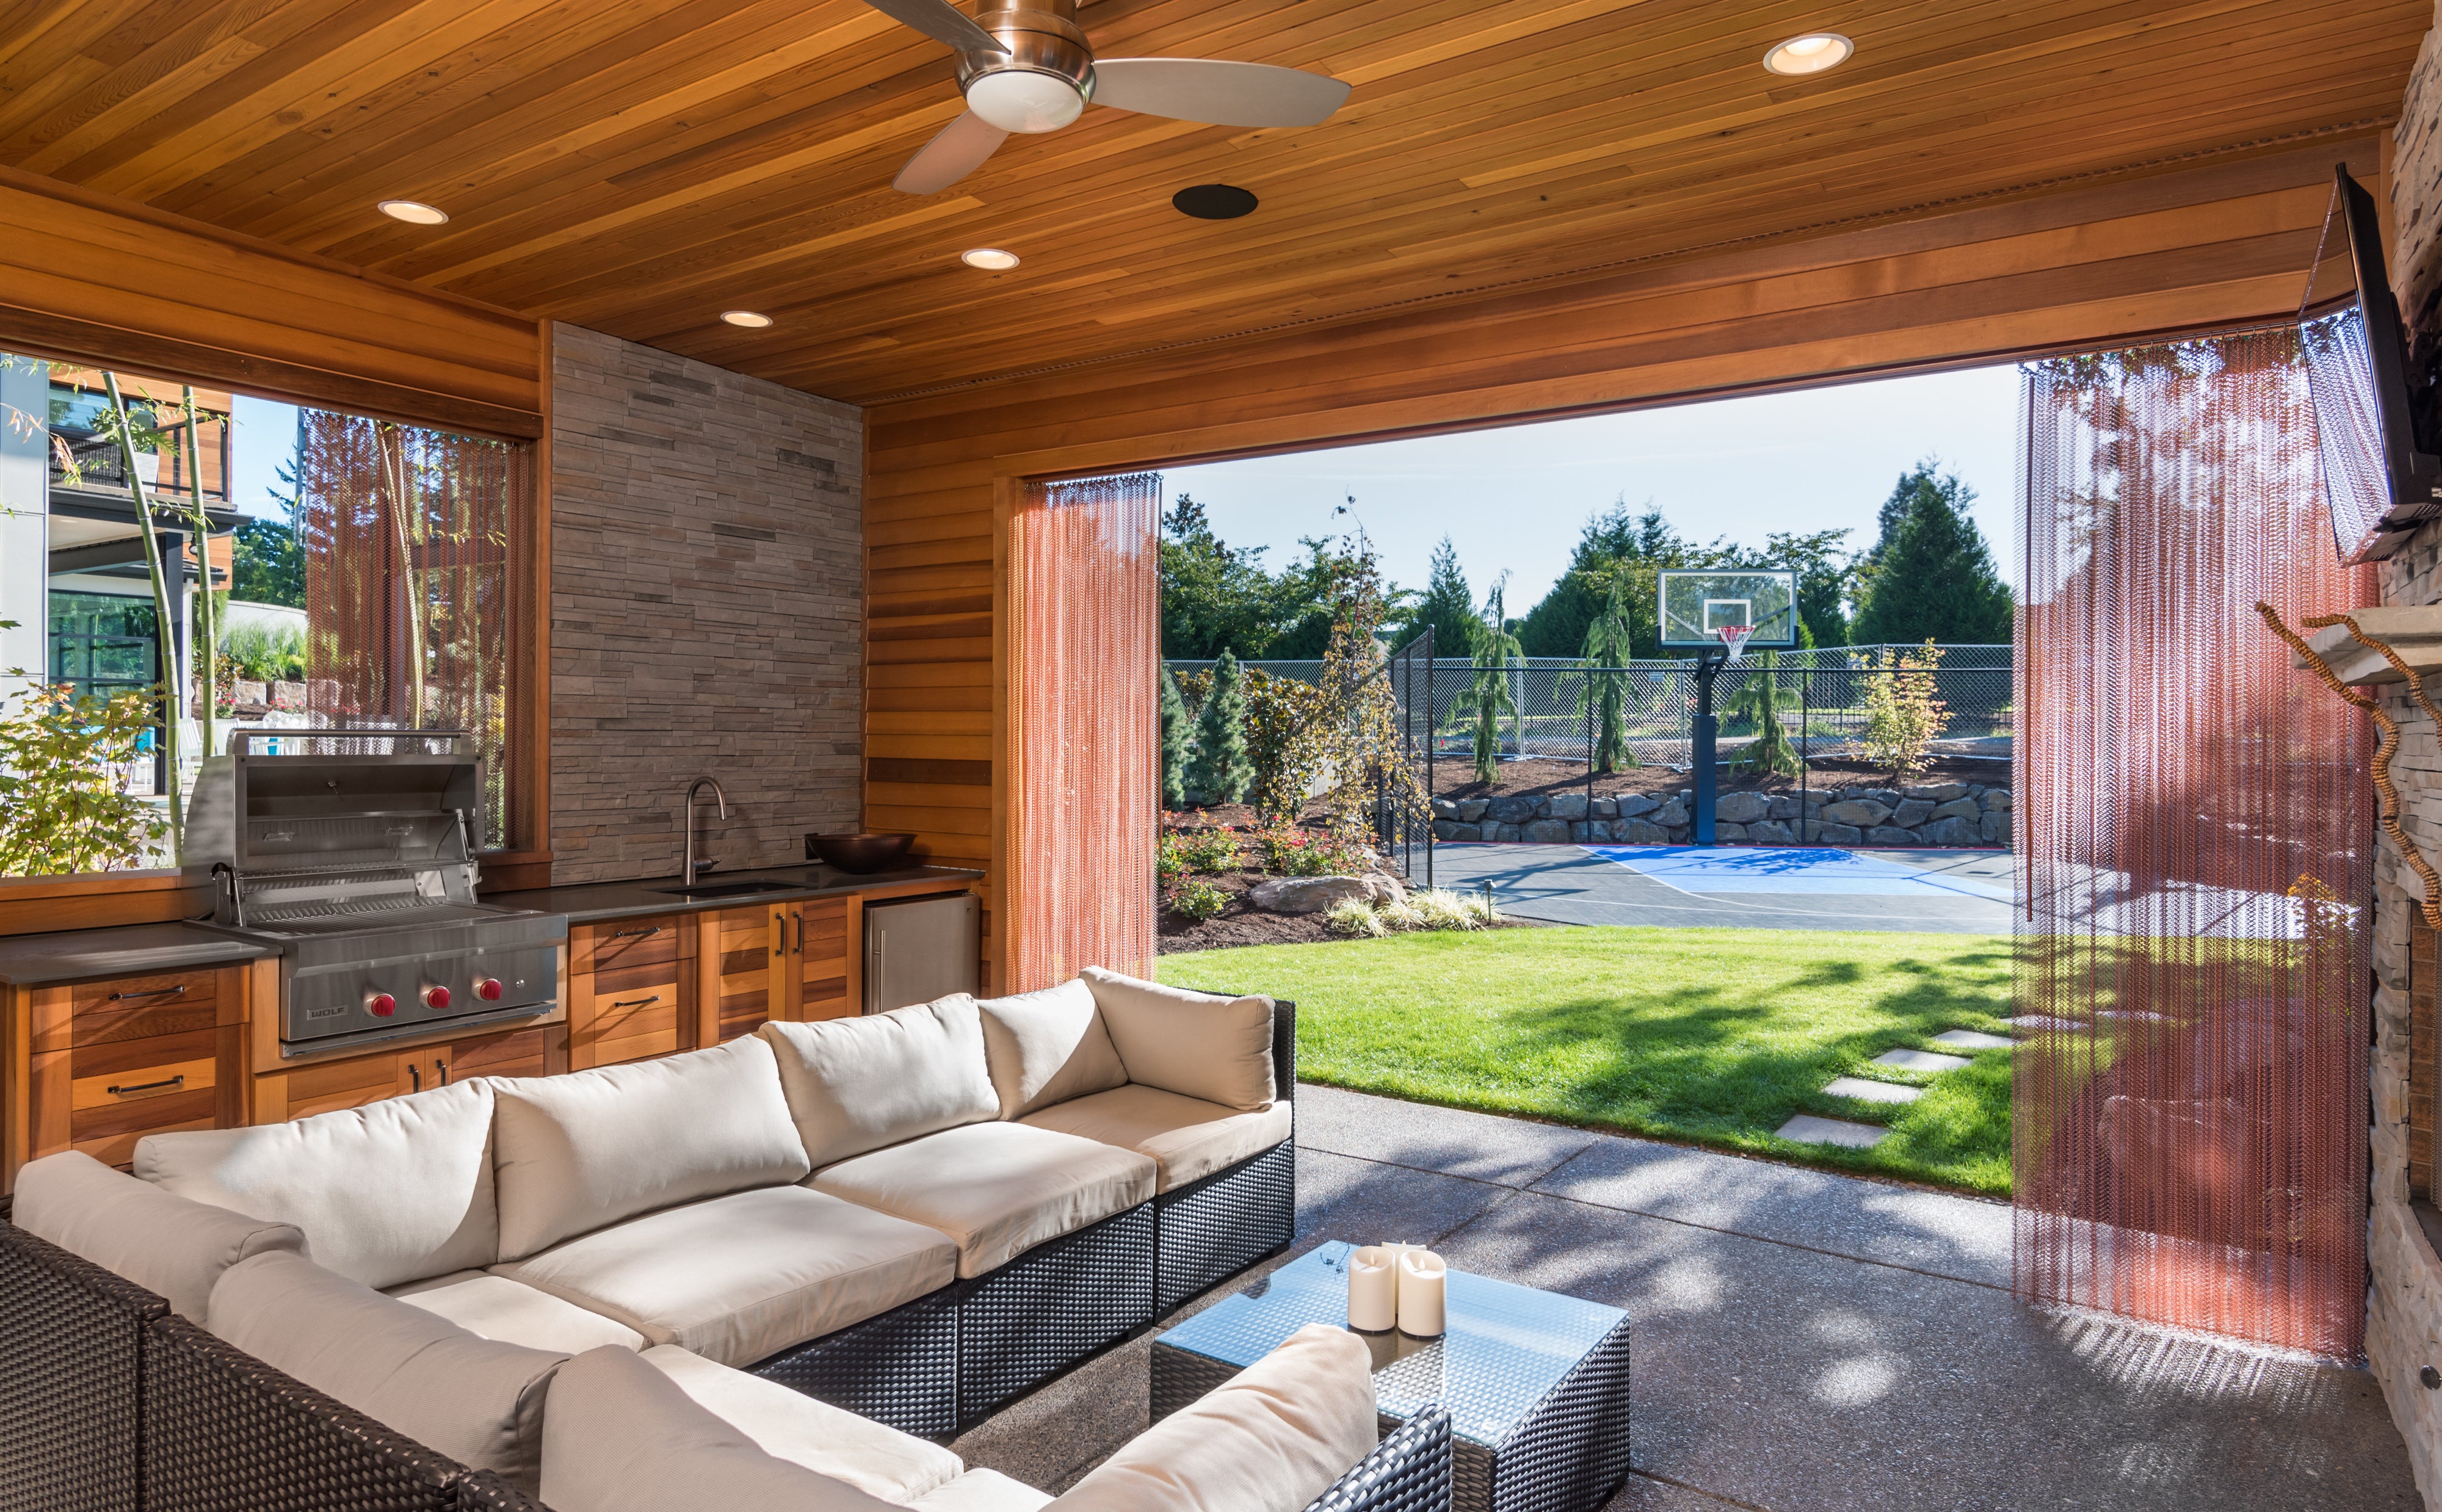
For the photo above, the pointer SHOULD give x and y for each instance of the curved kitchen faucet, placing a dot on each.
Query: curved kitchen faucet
(686, 877)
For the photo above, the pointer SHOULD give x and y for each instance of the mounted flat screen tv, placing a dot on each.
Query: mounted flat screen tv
(2379, 484)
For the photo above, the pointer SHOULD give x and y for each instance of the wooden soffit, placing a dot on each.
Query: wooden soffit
(637, 168)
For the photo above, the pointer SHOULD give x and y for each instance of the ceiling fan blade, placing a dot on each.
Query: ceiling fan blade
(940, 21)
(1215, 93)
(957, 150)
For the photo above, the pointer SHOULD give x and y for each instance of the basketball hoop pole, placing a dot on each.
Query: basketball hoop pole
(1708, 661)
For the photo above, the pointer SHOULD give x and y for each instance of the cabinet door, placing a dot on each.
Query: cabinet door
(741, 954)
(110, 1062)
(629, 1013)
(819, 960)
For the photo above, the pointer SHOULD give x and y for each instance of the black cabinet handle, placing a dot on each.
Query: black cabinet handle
(443, 1067)
(636, 934)
(145, 1086)
(157, 991)
(414, 1077)
(637, 1002)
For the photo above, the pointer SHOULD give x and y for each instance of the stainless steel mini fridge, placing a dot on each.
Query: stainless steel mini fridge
(920, 950)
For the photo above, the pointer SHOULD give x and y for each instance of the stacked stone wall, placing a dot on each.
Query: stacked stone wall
(1930, 814)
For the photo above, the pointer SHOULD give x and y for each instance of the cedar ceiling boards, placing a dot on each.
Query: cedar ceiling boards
(637, 168)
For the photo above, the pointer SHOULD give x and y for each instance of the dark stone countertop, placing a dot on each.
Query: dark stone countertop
(134, 950)
(584, 903)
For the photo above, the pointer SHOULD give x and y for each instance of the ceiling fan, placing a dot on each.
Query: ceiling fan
(1032, 71)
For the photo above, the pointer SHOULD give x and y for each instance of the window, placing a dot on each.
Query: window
(306, 570)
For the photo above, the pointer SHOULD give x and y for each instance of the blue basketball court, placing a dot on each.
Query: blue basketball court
(1816, 872)
(1739, 887)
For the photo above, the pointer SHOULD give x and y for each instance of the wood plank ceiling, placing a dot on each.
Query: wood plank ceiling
(638, 168)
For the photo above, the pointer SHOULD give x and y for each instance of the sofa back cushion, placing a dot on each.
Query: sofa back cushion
(1271, 1438)
(624, 1437)
(1047, 1047)
(857, 1083)
(162, 1241)
(477, 1400)
(1194, 1043)
(391, 1191)
(575, 1153)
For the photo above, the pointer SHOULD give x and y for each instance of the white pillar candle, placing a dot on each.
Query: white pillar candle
(1422, 1282)
(1373, 1290)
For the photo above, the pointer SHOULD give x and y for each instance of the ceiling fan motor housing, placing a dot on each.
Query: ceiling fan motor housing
(1045, 79)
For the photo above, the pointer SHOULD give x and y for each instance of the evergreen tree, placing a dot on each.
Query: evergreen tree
(1755, 707)
(1617, 542)
(1222, 770)
(1610, 642)
(1177, 751)
(1447, 608)
(1823, 578)
(1491, 691)
(1934, 577)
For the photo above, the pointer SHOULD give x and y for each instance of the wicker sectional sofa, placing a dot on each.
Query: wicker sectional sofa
(814, 1252)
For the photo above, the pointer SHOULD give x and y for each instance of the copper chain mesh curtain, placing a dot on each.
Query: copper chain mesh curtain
(415, 582)
(2195, 827)
(1084, 795)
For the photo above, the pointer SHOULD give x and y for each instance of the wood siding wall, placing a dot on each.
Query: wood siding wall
(2077, 268)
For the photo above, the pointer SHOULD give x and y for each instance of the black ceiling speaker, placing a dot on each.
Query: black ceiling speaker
(1214, 202)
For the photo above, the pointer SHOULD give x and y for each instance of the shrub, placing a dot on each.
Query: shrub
(1222, 770)
(1441, 908)
(1177, 751)
(1188, 851)
(1287, 851)
(263, 653)
(1355, 917)
(1198, 901)
(1905, 713)
(62, 805)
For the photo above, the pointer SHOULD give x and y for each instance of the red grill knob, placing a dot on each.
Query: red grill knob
(436, 997)
(488, 988)
(382, 1003)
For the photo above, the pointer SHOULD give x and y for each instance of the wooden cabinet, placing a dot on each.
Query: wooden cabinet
(108, 1061)
(357, 1080)
(631, 989)
(822, 969)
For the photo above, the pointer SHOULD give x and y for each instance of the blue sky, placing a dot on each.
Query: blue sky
(266, 440)
(1515, 499)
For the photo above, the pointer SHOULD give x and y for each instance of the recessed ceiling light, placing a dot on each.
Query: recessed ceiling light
(413, 211)
(1810, 54)
(1214, 202)
(747, 319)
(991, 257)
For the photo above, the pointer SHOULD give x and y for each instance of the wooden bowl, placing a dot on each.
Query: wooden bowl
(861, 854)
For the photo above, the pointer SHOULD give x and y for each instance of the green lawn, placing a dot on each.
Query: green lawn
(1714, 1036)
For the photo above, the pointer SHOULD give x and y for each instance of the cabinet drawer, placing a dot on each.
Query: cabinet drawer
(136, 1007)
(119, 1092)
(626, 1015)
(620, 943)
(520, 1052)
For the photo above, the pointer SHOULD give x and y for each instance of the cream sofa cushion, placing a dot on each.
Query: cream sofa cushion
(1270, 1439)
(1194, 1043)
(478, 1401)
(492, 1307)
(739, 1278)
(790, 1424)
(580, 1151)
(162, 1241)
(1047, 1047)
(623, 1437)
(996, 1189)
(391, 1192)
(857, 1083)
(1186, 1137)
(981, 1491)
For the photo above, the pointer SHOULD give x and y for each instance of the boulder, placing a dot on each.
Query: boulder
(1838, 834)
(1548, 831)
(1500, 831)
(1912, 813)
(1726, 834)
(1636, 806)
(1567, 806)
(1958, 809)
(1884, 834)
(1997, 798)
(1770, 832)
(1453, 830)
(1936, 791)
(1605, 808)
(1445, 808)
(1642, 832)
(1511, 811)
(1782, 806)
(1993, 828)
(1739, 808)
(1671, 815)
(1470, 811)
(1859, 813)
(1312, 895)
(1951, 833)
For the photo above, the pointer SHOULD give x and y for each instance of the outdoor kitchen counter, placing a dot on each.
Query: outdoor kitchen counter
(586, 903)
(135, 950)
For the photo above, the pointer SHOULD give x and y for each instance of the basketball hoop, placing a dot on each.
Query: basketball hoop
(1734, 637)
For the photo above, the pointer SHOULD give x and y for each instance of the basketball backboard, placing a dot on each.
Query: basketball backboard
(1696, 604)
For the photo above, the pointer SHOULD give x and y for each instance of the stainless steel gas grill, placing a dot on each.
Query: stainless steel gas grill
(352, 853)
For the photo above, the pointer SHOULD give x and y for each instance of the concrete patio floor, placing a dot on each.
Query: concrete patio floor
(1804, 1340)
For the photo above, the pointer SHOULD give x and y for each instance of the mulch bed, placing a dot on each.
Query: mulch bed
(1243, 923)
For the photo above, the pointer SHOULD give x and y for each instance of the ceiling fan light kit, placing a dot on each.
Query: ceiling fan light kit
(1033, 70)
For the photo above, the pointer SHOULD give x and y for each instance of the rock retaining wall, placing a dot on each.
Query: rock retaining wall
(1943, 814)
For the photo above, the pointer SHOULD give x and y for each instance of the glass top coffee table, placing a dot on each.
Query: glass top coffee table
(1536, 1384)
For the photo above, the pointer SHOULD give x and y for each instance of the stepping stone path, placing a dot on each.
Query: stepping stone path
(1808, 1129)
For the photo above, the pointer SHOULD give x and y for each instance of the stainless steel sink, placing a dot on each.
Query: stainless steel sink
(732, 889)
